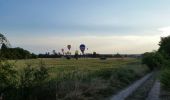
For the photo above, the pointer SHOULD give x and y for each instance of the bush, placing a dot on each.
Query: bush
(165, 79)
(8, 78)
(153, 60)
(31, 79)
(29, 84)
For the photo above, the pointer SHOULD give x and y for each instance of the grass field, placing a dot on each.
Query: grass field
(57, 65)
(84, 62)
(86, 78)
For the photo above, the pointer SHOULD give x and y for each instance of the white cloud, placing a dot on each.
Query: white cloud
(165, 31)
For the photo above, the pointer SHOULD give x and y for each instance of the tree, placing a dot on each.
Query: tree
(3, 46)
(118, 55)
(94, 54)
(4, 40)
(3, 50)
(15, 53)
(165, 46)
(54, 52)
(153, 60)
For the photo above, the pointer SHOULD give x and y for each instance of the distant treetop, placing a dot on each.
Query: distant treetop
(4, 40)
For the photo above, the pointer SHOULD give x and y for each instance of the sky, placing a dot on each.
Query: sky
(104, 26)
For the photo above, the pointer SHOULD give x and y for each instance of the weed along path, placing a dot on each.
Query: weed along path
(122, 95)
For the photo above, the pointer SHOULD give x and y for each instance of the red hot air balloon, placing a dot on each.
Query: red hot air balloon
(69, 47)
(82, 48)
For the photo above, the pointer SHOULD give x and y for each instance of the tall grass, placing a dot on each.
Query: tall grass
(77, 80)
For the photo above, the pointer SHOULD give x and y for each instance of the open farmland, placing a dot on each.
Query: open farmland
(56, 65)
(86, 78)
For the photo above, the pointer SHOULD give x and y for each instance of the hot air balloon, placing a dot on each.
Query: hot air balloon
(62, 51)
(69, 47)
(82, 48)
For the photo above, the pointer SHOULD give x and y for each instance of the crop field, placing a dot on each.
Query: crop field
(85, 78)
(84, 62)
(56, 65)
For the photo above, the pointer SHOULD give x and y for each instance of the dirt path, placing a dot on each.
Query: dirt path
(122, 95)
(154, 92)
(142, 92)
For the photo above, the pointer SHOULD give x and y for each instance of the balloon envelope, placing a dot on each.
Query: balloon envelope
(69, 47)
(82, 47)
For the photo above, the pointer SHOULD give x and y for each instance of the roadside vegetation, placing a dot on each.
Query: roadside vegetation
(161, 60)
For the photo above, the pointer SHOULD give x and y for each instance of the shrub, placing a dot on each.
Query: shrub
(31, 78)
(29, 84)
(8, 78)
(153, 60)
(165, 79)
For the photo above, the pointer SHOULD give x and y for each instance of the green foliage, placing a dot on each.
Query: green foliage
(15, 53)
(41, 73)
(165, 46)
(27, 77)
(153, 60)
(165, 78)
(8, 77)
(3, 47)
(7, 74)
(22, 85)
(31, 78)
(164, 52)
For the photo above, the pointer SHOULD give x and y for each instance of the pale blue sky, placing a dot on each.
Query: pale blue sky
(42, 20)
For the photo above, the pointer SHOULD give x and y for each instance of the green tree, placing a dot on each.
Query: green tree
(153, 60)
(3, 47)
(165, 46)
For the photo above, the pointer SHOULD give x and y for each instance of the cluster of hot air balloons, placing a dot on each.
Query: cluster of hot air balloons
(82, 49)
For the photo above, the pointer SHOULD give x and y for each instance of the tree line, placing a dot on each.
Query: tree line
(15, 53)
